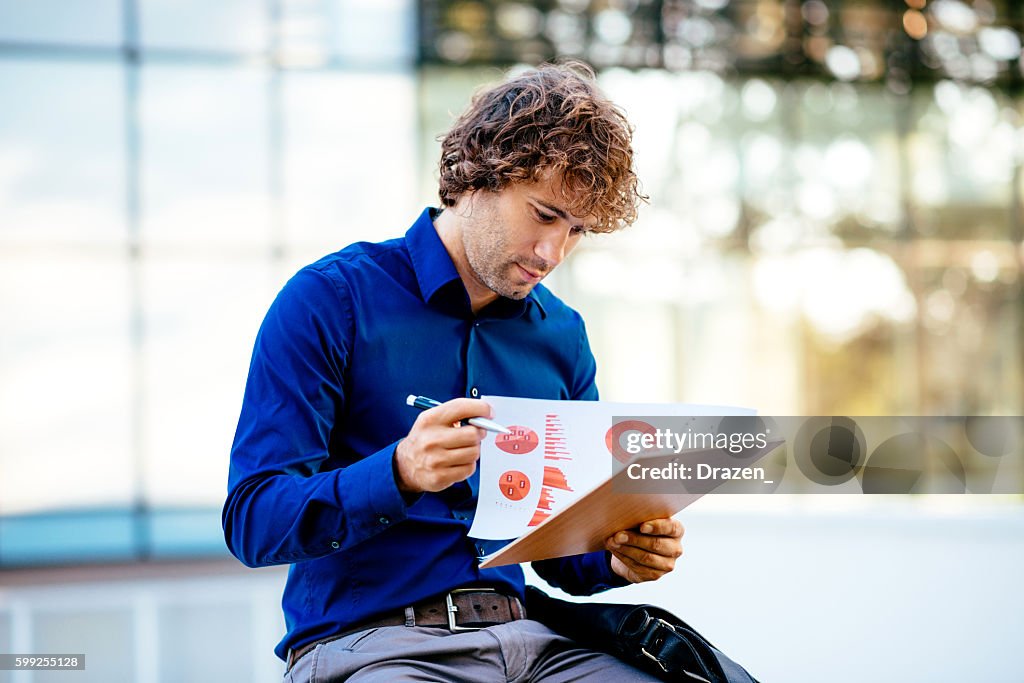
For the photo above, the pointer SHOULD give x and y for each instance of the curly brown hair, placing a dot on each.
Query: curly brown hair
(551, 118)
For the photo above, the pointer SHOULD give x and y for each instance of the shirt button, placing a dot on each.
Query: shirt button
(384, 520)
(473, 392)
(335, 545)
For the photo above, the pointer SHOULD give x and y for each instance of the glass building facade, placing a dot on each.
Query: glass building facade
(834, 225)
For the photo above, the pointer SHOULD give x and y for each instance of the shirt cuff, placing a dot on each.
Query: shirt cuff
(606, 577)
(367, 492)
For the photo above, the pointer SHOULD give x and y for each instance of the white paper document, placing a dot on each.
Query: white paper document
(557, 451)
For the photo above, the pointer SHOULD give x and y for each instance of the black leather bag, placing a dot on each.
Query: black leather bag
(648, 637)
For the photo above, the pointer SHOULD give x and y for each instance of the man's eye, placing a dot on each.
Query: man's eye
(579, 230)
(544, 217)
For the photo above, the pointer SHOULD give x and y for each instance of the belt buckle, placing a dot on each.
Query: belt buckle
(453, 608)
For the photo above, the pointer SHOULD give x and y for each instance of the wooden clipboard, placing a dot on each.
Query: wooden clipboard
(584, 524)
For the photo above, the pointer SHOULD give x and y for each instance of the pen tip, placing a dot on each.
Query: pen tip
(410, 400)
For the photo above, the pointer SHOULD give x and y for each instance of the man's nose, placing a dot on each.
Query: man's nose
(551, 247)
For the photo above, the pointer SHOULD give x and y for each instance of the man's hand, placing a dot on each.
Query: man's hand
(649, 553)
(437, 454)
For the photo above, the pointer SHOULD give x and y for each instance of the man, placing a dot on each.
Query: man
(369, 500)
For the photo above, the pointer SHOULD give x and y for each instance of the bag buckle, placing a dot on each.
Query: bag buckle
(453, 609)
(661, 623)
(653, 658)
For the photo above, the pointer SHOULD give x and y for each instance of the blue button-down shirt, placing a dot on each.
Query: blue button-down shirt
(311, 480)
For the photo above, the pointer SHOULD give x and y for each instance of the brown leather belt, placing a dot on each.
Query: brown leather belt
(463, 609)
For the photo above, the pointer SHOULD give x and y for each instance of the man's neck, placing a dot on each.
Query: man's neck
(449, 228)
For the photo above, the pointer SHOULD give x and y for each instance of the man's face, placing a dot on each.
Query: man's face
(515, 237)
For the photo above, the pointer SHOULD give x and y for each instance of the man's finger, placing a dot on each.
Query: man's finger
(459, 409)
(452, 457)
(634, 571)
(456, 457)
(659, 545)
(663, 527)
(645, 558)
(457, 437)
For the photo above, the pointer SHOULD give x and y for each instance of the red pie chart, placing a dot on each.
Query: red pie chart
(514, 485)
(521, 440)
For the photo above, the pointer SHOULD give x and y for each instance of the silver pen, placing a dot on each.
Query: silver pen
(424, 403)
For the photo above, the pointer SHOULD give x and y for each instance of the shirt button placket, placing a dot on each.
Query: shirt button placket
(474, 391)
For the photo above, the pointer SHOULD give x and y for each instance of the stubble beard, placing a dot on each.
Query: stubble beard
(495, 271)
(486, 252)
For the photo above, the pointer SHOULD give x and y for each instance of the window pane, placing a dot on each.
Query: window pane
(224, 26)
(66, 22)
(65, 384)
(61, 152)
(201, 321)
(371, 32)
(205, 156)
(68, 537)
(845, 164)
(187, 532)
(350, 167)
(192, 629)
(971, 326)
(962, 157)
(104, 636)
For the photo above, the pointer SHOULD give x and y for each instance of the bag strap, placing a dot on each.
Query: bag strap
(659, 642)
(675, 647)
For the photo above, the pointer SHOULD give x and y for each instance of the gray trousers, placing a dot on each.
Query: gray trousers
(519, 651)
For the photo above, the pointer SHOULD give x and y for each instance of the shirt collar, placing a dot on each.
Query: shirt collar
(435, 271)
(430, 260)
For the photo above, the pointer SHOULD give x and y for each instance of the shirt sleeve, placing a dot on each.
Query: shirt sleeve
(580, 574)
(281, 507)
(591, 572)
